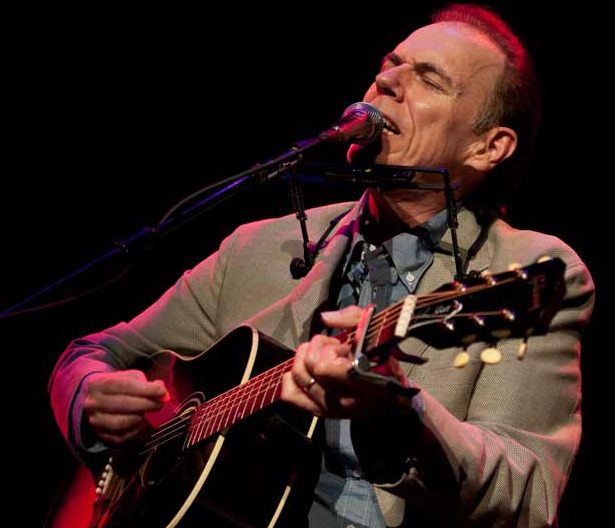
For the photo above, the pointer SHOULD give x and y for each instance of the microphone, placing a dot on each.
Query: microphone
(361, 123)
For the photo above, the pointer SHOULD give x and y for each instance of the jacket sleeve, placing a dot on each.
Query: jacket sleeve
(507, 462)
(182, 320)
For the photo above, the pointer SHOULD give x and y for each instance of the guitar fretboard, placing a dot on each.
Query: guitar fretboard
(236, 404)
(265, 389)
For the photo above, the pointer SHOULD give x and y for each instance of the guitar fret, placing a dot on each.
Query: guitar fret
(277, 393)
(274, 383)
(213, 416)
(209, 419)
(251, 389)
(194, 427)
(256, 406)
(221, 420)
(203, 423)
(270, 392)
(258, 400)
(253, 405)
(240, 408)
(234, 405)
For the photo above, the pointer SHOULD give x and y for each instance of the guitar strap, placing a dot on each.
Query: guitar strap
(379, 266)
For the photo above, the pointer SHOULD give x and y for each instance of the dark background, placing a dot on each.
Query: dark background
(117, 114)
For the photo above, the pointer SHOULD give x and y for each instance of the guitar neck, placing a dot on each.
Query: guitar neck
(238, 403)
(516, 303)
(232, 406)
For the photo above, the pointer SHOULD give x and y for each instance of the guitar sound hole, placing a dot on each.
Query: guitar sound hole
(167, 456)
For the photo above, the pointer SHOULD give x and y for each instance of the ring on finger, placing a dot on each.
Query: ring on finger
(309, 384)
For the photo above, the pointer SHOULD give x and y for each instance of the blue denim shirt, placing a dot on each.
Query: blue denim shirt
(343, 498)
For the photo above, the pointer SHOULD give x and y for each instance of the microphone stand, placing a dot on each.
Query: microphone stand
(145, 238)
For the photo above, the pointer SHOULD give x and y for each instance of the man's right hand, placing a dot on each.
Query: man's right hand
(116, 403)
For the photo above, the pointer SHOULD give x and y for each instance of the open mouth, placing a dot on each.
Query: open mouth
(389, 127)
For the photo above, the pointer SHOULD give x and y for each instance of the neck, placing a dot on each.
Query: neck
(404, 209)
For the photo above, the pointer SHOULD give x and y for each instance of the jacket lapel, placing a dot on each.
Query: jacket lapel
(443, 271)
(314, 289)
(289, 320)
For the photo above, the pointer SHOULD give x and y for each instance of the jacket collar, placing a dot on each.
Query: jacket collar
(290, 319)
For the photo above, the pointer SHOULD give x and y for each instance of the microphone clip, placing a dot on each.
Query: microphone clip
(299, 268)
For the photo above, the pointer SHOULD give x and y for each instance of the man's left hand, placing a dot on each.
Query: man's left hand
(320, 381)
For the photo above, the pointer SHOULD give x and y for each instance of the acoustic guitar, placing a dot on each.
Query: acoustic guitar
(231, 454)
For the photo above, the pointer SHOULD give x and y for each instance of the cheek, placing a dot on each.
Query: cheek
(371, 93)
(429, 114)
(436, 127)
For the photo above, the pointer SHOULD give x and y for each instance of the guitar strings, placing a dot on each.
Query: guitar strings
(208, 413)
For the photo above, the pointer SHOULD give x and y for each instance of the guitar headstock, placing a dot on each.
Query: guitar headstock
(517, 303)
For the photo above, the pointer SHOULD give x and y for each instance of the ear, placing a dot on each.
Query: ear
(491, 148)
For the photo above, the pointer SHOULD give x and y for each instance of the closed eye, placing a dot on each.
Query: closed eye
(434, 76)
(431, 83)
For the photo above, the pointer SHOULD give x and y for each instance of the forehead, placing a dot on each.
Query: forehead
(461, 50)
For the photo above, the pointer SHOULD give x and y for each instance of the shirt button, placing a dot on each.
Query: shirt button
(410, 276)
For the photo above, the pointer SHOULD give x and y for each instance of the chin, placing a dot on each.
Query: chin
(364, 155)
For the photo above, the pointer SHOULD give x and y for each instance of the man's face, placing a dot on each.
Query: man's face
(430, 90)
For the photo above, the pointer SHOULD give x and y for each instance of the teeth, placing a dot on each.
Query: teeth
(389, 128)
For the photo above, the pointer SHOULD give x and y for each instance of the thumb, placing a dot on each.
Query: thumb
(347, 317)
(167, 395)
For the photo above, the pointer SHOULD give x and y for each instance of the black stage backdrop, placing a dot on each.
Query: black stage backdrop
(118, 113)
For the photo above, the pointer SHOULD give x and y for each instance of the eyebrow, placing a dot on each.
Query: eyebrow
(420, 67)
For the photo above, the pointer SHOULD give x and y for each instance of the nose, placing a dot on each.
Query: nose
(388, 83)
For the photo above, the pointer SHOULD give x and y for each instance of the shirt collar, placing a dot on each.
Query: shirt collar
(429, 232)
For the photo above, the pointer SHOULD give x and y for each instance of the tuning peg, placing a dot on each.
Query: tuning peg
(461, 359)
(515, 266)
(488, 277)
(458, 286)
(491, 356)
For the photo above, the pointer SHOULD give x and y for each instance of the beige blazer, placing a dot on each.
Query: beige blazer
(499, 441)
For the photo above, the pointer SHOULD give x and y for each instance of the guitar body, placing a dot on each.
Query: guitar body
(257, 473)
